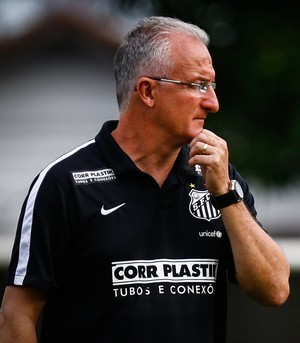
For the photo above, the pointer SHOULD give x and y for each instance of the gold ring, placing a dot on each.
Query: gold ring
(204, 149)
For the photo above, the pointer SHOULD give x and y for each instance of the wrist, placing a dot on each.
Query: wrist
(233, 195)
(225, 189)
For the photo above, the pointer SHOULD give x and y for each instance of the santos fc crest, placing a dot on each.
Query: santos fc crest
(200, 206)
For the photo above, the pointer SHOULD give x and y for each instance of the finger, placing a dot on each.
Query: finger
(205, 136)
(204, 149)
(202, 143)
(201, 148)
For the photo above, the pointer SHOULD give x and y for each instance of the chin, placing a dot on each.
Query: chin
(188, 138)
(192, 131)
(197, 128)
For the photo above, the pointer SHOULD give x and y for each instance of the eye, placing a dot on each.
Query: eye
(203, 85)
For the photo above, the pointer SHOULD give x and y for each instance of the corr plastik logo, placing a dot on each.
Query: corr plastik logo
(164, 277)
(164, 270)
(92, 176)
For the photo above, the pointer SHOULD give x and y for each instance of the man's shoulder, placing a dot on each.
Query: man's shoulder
(83, 158)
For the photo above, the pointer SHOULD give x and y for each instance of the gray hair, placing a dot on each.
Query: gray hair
(145, 51)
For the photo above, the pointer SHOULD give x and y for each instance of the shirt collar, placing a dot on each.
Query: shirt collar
(111, 151)
(122, 163)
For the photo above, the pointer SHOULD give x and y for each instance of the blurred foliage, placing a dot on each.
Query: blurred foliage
(255, 47)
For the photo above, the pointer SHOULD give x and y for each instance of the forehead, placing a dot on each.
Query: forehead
(191, 56)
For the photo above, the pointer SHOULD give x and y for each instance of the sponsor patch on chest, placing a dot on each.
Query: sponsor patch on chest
(93, 176)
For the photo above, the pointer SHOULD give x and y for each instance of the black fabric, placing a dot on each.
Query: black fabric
(154, 269)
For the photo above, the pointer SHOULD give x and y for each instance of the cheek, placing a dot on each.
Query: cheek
(187, 126)
(178, 116)
(191, 122)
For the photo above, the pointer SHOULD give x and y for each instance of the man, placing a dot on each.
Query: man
(131, 236)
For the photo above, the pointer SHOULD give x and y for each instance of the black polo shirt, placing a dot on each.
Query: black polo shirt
(123, 260)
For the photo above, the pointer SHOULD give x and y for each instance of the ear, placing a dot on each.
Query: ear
(145, 89)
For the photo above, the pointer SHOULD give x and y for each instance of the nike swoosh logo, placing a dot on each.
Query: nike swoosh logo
(105, 212)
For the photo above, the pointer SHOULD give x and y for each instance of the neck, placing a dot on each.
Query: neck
(147, 149)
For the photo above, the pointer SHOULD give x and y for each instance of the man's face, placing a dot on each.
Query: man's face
(180, 109)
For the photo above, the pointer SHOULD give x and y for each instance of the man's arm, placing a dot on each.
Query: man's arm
(261, 267)
(19, 314)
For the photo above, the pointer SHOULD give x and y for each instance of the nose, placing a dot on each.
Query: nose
(210, 101)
